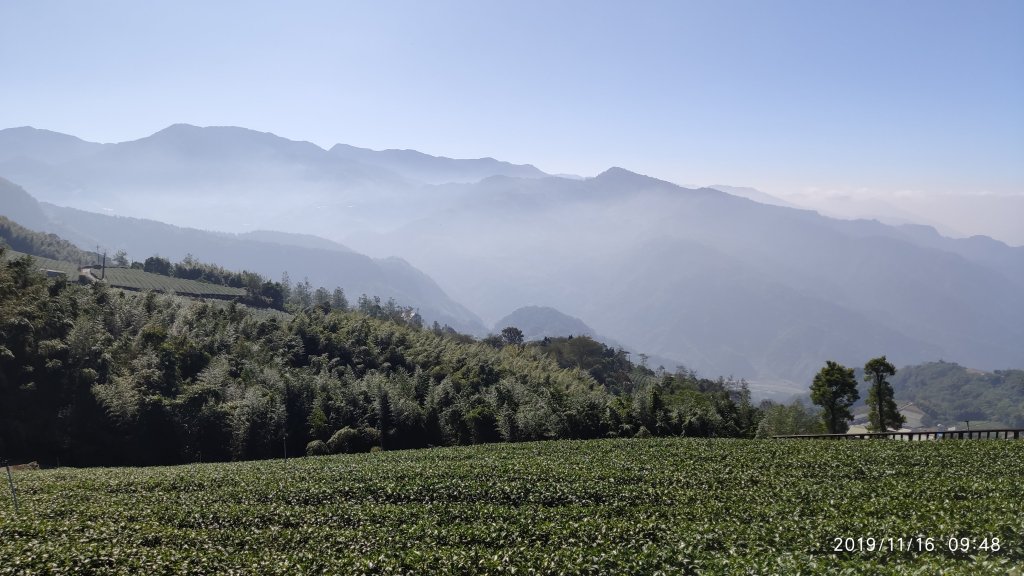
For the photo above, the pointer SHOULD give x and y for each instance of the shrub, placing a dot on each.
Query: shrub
(349, 440)
(317, 448)
(370, 437)
(345, 441)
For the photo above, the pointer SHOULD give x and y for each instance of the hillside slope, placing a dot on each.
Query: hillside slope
(949, 393)
(721, 283)
(716, 282)
(328, 266)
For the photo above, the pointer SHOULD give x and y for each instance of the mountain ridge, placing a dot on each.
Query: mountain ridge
(669, 269)
(328, 265)
(432, 169)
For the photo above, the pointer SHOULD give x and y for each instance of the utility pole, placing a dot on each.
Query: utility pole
(10, 481)
(103, 268)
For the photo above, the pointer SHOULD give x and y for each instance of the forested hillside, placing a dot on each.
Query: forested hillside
(91, 375)
(49, 246)
(95, 375)
(949, 393)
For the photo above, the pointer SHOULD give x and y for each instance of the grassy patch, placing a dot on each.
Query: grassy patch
(133, 279)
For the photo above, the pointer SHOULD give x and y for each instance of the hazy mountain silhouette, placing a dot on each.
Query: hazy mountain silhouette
(21, 207)
(536, 322)
(293, 239)
(231, 179)
(43, 145)
(724, 284)
(323, 262)
(435, 169)
(721, 283)
(752, 194)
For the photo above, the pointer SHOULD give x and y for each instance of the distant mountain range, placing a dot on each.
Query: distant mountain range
(271, 254)
(232, 179)
(435, 169)
(722, 283)
(718, 282)
(753, 194)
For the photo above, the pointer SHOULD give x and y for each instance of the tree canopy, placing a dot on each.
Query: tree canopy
(91, 375)
(835, 389)
(883, 413)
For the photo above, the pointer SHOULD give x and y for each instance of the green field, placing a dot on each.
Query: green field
(571, 507)
(144, 281)
(133, 279)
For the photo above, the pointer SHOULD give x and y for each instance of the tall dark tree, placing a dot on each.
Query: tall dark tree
(512, 336)
(338, 300)
(883, 411)
(835, 389)
(157, 265)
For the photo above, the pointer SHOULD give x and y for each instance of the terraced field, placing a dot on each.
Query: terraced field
(133, 279)
(144, 281)
(598, 507)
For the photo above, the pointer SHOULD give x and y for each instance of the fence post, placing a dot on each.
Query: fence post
(10, 480)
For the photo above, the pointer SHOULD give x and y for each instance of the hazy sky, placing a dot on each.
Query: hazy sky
(883, 96)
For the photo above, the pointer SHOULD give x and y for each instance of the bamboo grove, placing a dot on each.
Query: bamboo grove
(91, 375)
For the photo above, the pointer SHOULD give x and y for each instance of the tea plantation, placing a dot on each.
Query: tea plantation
(569, 507)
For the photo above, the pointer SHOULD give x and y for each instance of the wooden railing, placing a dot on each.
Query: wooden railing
(989, 434)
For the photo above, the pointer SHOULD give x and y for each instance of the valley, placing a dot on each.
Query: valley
(692, 277)
(518, 288)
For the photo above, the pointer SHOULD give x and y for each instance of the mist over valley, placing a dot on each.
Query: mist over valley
(704, 278)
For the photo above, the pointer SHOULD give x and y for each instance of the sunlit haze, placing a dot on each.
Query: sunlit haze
(521, 286)
(884, 103)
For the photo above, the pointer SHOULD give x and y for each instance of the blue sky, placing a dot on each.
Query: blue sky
(889, 96)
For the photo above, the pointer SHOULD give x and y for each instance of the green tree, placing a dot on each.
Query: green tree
(321, 296)
(512, 336)
(782, 419)
(286, 286)
(157, 265)
(835, 390)
(302, 295)
(883, 412)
